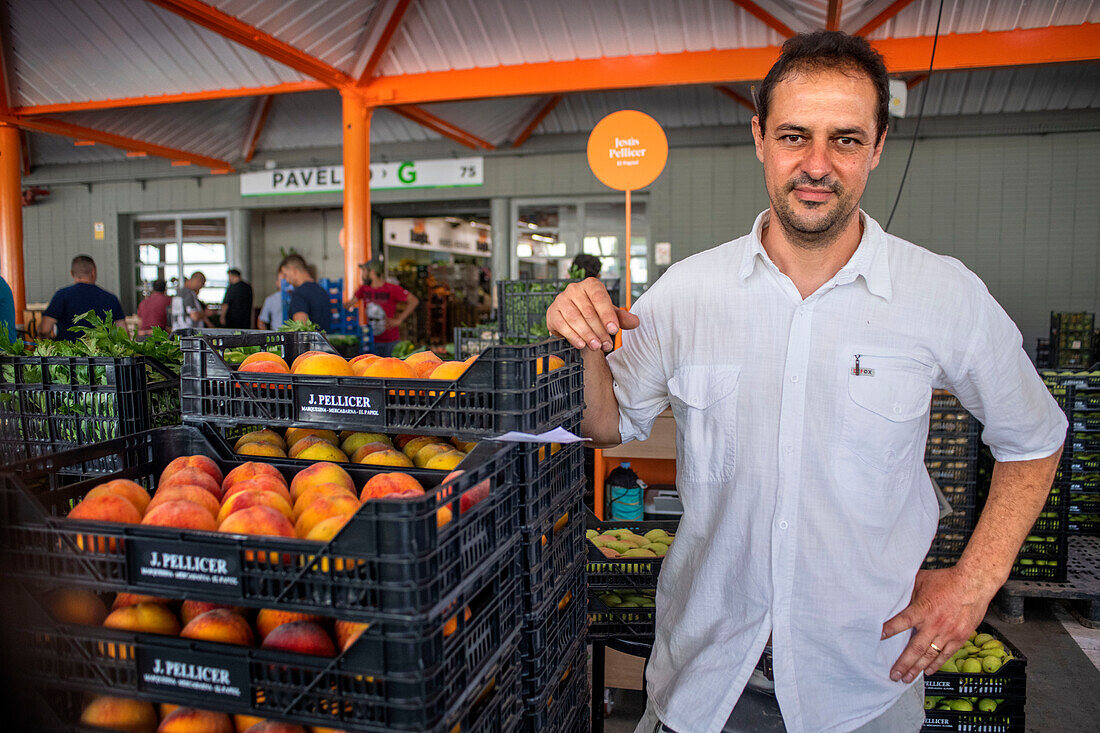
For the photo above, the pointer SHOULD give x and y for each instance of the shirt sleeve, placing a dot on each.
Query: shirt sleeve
(638, 372)
(56, 308)
(298, 304)
(400, 295)
(998, 384)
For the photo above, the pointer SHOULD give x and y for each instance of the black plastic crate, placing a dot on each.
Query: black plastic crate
(961, 519)
(606, 573)
(607, 622)
(1084, 400)
(562, 700)
(392, 558)
(507, 388)
(1085, 380)
(294, 687)
(1080, 483)
(1084, 504)
(472, 340)
(959, 446)
(548, 475)
(522, 304)
(1001, 720)
(549, 630)
(1049, 521)
(952, 471)
(1084, 525)
(1083, 443)
(53, 403)
(1085, 422)
(1010, 681)
(1080, 464)
(552, 550)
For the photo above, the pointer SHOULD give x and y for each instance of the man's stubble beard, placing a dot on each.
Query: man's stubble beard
(819, 235)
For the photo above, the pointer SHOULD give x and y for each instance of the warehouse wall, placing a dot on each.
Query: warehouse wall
(1019, 209)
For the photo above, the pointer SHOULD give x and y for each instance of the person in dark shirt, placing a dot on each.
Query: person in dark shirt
(309, 301)
(80, 297)
(237, 308)
(7, 311)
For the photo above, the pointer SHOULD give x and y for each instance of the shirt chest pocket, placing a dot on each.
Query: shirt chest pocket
(704, 402)
(888, 395)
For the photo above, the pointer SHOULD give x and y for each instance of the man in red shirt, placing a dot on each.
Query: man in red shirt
(153, 311)
(386, 295)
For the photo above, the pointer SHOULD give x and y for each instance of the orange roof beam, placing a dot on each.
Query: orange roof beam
(1057, 44)
(916, 80)
(768, 18)
(384, 21)
(251, 37)
(255, 127)
(425, 118)
(832, 15)
(737, 97)
(543, 109)
(872, 18)
(131, 145)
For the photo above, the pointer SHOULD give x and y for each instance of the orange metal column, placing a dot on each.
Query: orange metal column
(11, 217)
(356, 188)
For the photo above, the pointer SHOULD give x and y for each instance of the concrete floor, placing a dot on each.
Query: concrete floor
(1063, 673)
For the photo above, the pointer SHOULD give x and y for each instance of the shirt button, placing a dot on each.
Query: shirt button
(783, 524)
(897, 409)
(788, 449)
(794, 377)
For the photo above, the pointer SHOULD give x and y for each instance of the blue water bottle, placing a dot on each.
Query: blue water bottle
(626, 494)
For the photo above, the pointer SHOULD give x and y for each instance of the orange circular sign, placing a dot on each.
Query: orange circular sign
(627, 150)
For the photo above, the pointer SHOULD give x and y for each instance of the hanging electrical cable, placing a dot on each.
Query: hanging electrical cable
(920, 116)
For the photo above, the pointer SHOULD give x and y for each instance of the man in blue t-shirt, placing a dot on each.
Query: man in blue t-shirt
(80, 297)
(7, 311)
(309, 301)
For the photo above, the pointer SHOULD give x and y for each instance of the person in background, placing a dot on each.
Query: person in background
(7, 311)
(187, 310)
(271, 313)
(80, 297)
(309, 301)
(584, 266)
(237, 308)
(387, 296)
(153, 310)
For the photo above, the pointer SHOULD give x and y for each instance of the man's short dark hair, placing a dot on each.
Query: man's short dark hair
(82, 266)
(828, 51)
(233, 271)
(294, 262)
(159, 286)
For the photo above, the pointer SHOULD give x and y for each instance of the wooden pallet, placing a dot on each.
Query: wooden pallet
(1081, 589)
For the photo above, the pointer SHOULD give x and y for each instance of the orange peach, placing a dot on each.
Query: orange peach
(302, 443)
(202, 463)
(244, 499)
(322, 452)
(149, 618)
(269, 619)
(326, 529)
(424, 453)
(390, 368)
(363, 359)
(194, 477)
(422, 356)
(302, 637)
(244, 722)
(445, 461)
(322, 472)
(323, 508)
(314, 493)
(347, 632)
(251, 470)
(470, 360)
(264, 356)
(269, 367)
(552, 363)
(400, 441)
(462, 445)
(352, 443)
(327, 365)
(220, 625)
(293, 435)
(261, 450)
(424, 369)
(192, 609)
(472, 496)
(451, 625)
(443, 516)
(133, 492)
(166, 709)
(385, 484)
(192, 720)
(76, 606)
(413, 446)
(449, 370)
(368, 448)
(261, 436)
(199, 496)
(302, 357)
(106, 508)
(387, 458)
(181, 514)
(275, 726)
(261, 483)
(257, 520)
(121, 714)
(132, 599)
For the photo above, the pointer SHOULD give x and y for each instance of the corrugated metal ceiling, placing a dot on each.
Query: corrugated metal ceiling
(974, 16)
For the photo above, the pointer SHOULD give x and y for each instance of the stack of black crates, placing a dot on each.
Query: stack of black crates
(1078, 479)
(951, 457)
(473, 594)
(1071, 340)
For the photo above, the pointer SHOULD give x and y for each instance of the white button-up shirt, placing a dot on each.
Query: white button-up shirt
(801, 426)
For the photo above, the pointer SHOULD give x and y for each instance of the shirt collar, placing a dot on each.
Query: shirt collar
(869, 260)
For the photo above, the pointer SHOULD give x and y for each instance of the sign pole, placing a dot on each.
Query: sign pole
(626, 278)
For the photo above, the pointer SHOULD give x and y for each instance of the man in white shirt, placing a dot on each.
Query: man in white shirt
(799, 362)
(271, 313)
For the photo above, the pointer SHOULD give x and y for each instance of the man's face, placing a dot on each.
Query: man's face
(196, 283)
(818, 150)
